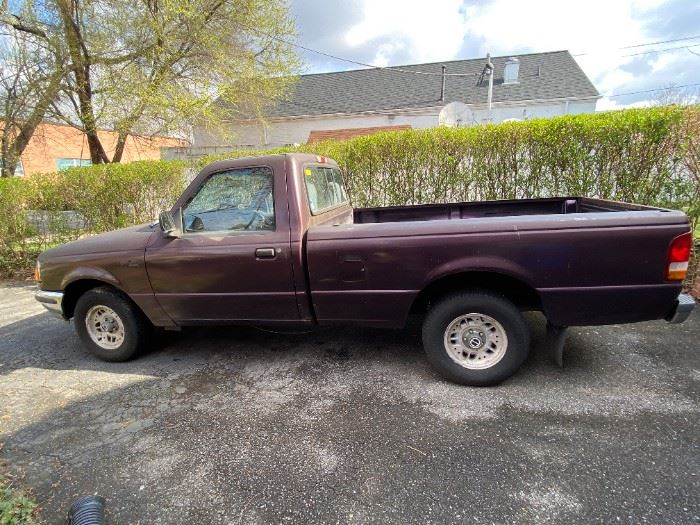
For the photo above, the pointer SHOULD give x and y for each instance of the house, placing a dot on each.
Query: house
(55, 147)
(348, 103)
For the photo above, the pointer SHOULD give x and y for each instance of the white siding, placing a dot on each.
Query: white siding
(296, 130)
(530, 111)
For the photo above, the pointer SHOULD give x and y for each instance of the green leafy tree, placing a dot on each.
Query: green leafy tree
(152, 67)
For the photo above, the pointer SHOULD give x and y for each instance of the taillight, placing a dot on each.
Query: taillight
(678, 257)
(37, 272)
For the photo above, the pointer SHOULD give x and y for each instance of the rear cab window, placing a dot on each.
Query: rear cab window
(324, 188)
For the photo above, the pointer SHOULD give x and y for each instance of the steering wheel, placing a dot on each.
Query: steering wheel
(260, 216)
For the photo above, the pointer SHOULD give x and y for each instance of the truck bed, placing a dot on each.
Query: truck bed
(503, 208)
(588, 261)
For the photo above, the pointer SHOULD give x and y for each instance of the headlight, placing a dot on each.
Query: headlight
(37, 272)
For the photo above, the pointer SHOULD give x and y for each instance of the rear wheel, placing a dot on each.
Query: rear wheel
(475, 338)
(109, 325)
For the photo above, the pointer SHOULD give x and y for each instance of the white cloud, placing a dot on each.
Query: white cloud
(610, 104)
(596, 26)
(430, 30)
(666, 61)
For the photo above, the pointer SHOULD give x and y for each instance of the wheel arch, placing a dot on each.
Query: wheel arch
(516, 290)
(74, 290)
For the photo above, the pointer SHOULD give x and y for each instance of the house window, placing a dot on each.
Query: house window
(19, 169)
(64, 164)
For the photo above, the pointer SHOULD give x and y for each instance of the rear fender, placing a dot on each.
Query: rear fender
(479, 264)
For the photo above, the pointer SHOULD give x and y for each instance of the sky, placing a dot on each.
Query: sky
(601, 32)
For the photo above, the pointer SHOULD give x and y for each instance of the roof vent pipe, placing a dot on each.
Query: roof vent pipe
(489, 71)
(442, 89)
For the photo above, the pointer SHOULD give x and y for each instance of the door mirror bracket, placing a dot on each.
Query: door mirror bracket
(168, 225)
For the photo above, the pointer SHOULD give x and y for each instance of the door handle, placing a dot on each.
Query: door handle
(265, 253)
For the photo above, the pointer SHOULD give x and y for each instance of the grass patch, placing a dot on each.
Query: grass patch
(16, 506)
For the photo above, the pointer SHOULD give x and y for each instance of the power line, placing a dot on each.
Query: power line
(662, 42)
(640, 53)
(652, 90)
(430, 73)
(642, 45)
(350, 61)
(651, 51)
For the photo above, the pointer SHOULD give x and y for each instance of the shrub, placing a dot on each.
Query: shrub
(51, 208)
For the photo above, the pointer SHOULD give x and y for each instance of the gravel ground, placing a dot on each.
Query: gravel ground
(351, 426)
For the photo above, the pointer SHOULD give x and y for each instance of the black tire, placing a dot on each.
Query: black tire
(137, 329)
(448, 310)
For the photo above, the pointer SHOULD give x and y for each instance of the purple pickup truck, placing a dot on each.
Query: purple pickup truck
(274, 241)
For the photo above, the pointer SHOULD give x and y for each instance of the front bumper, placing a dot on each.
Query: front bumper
(681, 311)
(52, 301)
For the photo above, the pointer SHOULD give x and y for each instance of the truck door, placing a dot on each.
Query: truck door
(232, 261)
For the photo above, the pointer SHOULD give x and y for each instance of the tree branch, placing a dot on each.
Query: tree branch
(16, 23)
(128, 57)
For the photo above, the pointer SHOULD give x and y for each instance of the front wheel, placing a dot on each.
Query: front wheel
(475, 338)
(109, 325)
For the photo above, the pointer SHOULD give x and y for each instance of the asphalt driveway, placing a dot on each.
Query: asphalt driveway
(351, 426)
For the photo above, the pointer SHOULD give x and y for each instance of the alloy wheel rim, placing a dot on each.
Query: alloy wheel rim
(475, 341)
(105, 327)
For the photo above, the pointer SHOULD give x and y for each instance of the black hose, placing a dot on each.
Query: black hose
(88, 510)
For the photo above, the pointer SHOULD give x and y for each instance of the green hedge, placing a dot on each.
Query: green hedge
(43, 210)
(648, 156)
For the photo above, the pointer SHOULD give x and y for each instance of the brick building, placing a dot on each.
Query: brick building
(54, 147)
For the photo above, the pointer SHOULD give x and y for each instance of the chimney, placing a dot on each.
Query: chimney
(511, 70)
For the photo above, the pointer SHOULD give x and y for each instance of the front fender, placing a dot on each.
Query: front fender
(90, 273)
(125, 271)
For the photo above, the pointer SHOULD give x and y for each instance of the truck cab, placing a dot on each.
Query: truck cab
(238, 251)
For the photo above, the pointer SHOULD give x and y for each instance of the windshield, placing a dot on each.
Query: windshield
(234, 200)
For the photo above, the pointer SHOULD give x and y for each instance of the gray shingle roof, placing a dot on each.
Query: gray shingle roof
(542, 76)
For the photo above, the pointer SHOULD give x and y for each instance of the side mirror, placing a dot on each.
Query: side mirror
(168, 224)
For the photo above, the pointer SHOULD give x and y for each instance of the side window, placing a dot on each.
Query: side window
(324, 187)
(239, 200)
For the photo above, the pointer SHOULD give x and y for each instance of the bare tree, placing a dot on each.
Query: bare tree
(673, 95)
(155, 66)
(30, 83)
